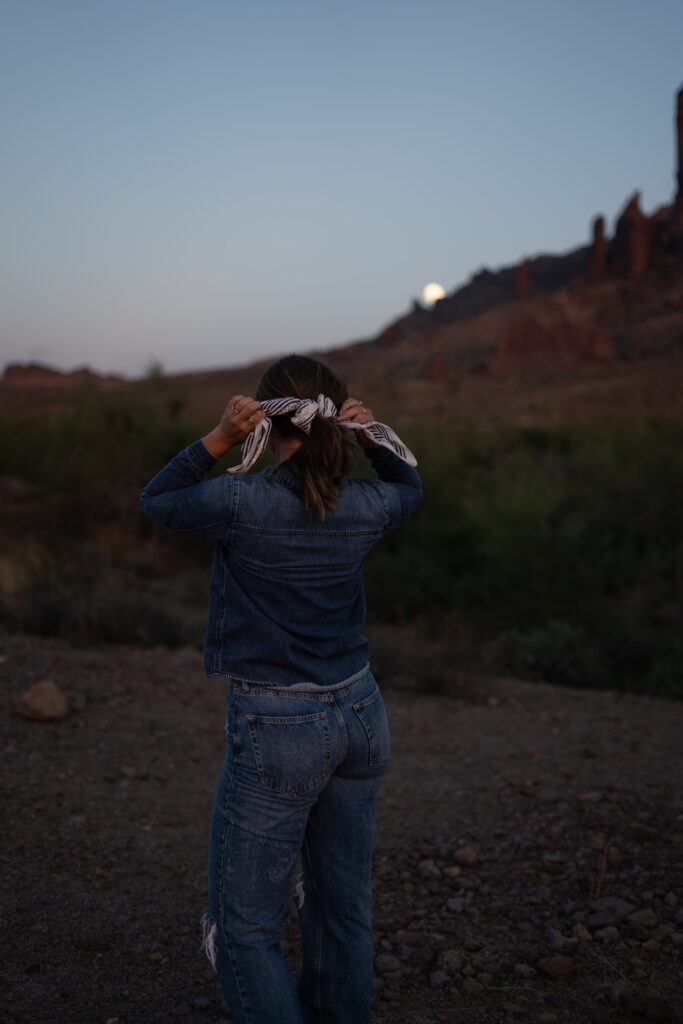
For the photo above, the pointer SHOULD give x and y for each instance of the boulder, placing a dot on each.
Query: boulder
(42, 702)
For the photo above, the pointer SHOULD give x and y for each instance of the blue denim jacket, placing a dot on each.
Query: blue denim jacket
(287, 599)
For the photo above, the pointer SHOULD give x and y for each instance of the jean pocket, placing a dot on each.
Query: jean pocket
(292, 753)
(373, 718)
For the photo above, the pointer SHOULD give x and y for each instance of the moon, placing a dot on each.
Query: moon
(431, 293)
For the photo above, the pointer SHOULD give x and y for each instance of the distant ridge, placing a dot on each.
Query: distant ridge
(35, 375)
(594, 333)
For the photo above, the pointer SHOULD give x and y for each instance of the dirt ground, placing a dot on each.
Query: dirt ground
(529, 851)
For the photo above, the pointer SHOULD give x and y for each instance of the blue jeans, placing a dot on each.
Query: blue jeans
(301, 776)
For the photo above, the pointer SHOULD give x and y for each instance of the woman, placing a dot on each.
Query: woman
(308, 738)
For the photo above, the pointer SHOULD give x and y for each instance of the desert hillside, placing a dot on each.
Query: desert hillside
(594, 334)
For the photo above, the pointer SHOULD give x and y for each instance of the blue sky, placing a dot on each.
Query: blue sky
(207, 182)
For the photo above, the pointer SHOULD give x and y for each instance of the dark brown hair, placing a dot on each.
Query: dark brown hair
(323, 460)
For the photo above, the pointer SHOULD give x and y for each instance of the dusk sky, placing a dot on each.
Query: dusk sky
(206, 182)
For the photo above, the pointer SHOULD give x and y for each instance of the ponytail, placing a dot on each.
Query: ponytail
(323, 460)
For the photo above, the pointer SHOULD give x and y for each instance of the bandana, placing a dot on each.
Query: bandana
(305, 410)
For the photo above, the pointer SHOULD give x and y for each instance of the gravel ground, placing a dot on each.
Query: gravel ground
(529, 852)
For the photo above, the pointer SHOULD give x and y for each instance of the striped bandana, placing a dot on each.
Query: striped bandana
(305, 410)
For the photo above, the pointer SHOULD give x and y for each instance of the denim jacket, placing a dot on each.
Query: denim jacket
(287, 599)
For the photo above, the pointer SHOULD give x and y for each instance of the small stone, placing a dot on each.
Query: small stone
(78, 701)
(557, 966)
(42, 702)
(659, 1010)
(608, 934)
(472, 987)
(428, 869)
(438, 978)
(467, 856)
(652, 946)
(646, 917)
(580, 932)
(609, 910)
(646, 834)
(554, 938)
(451, 960)
(385, 963)
(619, 990)
(671, 899)
(453, 871)
(614, 857)
(456, 904)
(593, 796)
(524, 970)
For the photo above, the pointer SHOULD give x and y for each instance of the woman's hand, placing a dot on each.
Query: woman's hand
(355, 411)
(239, 418)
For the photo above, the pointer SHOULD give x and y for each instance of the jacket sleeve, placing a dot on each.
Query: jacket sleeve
(403, 482)
(179, 498)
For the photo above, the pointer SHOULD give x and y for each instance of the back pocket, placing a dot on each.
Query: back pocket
(292, 754)
(373, 717)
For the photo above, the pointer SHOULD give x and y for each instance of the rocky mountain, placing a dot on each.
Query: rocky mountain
(594, 333)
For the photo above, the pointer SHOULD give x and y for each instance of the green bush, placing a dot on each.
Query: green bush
(566, 544)
(557, 653)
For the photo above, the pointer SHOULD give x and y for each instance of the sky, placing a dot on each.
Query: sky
(198, 184)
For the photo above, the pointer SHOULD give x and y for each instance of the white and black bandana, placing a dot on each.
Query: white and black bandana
(305, 410)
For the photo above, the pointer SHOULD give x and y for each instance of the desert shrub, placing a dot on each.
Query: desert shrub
(99, 618)
(520, 527)
(559, 652)
(666, 671)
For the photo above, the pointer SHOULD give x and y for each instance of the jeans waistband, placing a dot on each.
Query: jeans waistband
(298, 689)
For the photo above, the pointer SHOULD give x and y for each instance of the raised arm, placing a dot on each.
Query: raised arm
(179, 498)
(388, 467)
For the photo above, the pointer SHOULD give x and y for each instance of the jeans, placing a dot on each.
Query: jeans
(300, 777)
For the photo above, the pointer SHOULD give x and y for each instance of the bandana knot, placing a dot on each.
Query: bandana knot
(305, 411)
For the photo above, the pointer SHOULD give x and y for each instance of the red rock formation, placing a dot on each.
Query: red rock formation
(598, 254)
(523, 282)
(529, 340)
(33, 375)
(632, 240)
(390, 336)
(435, 367)
(524, 336)
(679, 138)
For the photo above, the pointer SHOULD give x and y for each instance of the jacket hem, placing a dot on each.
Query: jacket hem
(354, 677)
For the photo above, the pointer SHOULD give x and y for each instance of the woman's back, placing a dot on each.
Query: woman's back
(308, 736)
(287, 599)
